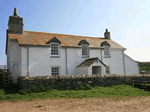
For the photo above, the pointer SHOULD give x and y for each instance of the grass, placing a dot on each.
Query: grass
(101, 92)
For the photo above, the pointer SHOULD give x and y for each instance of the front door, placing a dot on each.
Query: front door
(96, 69)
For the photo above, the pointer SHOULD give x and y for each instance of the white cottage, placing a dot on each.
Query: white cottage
(39, 54)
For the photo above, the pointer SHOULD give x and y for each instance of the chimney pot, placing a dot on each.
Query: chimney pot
(15, 11)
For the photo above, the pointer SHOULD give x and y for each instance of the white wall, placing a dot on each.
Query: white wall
(82, 70)
(115, 61)
(24, 61)
(95, 53)
(131, 66)
(74, 58)
(14, 60)
(40, 62)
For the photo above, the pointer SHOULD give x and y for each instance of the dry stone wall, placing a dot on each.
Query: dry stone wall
(71, 82)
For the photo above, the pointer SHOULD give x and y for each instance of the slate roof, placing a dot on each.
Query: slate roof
(89, 62)
(41, 38)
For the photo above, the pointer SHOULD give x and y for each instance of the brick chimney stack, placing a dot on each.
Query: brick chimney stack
(15, 23)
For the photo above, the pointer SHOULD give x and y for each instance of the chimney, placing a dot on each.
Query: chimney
(15, 23)
(107, 34)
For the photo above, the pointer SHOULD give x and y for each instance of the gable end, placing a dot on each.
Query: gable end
(54, 39)
(83, 42)
(105, 43)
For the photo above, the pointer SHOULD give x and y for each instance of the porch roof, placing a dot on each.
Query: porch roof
(89, 62)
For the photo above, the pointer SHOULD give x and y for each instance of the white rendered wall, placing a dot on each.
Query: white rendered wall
(24, 61)
(131, 66)
(82, 70)
(115, 61)
(74, 58)
(14, 60)
(40, 62)
(95, 53)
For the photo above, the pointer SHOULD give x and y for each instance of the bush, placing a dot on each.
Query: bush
(36, 90)
(84, 87)
(2, 93)
(24, 92)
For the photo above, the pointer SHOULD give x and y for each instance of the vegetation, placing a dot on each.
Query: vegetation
(80, 92)
(145, 68)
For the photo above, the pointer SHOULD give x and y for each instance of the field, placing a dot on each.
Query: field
(119, 98)
(116, 91)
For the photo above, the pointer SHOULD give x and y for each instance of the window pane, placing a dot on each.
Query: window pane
(54, 49)
(55, 71)
(84, 50)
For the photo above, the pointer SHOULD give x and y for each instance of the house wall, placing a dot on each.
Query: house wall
(115, 61)
(14, 60)
(24, 61)
(131, 66)
(74, 58)
(82, 70)
(39, 62)
(95, 53)
(8, 53)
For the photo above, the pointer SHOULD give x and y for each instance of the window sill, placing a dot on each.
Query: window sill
(85, 56)
(54, 56)
(107, 56)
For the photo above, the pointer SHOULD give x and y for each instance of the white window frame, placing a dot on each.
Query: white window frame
(87, 50)
(106, 52)
(51, 44)
(57, 68)
(107, 67)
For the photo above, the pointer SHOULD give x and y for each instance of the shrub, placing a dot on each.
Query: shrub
(2, 93)
(84, 87)
(24, 92)
(36, 90)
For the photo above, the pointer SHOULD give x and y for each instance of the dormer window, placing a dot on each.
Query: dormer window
(85, 51)
(85, 48)
(106, 47)
(106, 51)
(54, 47)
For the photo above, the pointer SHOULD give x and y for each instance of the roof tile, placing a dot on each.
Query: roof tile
(40, 38)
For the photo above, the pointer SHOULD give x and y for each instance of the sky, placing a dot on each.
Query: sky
(127, 20)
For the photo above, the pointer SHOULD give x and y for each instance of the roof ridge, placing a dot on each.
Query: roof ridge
(64, 34)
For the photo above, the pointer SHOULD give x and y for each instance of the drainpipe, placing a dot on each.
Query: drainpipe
(101, 56)
(124, 62)
(27, 61)
(66, 61)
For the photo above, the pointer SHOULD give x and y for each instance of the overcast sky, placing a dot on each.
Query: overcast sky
(127, 20)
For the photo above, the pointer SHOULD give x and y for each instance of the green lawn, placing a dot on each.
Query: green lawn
(101, 92)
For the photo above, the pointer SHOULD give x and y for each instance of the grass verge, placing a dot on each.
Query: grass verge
(101, 92)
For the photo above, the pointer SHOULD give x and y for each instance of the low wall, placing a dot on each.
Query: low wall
(71, 82)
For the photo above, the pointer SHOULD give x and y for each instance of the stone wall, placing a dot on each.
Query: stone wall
(71, 82)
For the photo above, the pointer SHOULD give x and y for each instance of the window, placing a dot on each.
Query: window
(54, 49)
(84, 51)
(107, 70)
(106, 52)
(55, 71)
